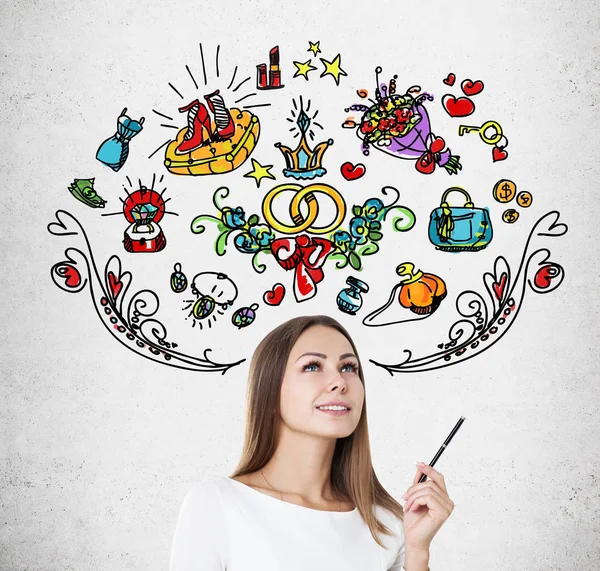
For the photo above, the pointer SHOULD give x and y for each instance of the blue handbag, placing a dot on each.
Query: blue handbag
(460, 229)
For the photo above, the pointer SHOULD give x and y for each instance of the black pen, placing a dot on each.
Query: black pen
(443, 447)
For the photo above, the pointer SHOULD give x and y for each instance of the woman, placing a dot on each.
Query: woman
(304, 496)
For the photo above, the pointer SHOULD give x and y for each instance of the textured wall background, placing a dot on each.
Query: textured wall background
(99, 446)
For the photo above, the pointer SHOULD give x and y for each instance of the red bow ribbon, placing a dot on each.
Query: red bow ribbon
(306, 255)
(433, 155)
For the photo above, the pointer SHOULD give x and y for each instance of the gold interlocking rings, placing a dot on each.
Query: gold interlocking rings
(307, 195)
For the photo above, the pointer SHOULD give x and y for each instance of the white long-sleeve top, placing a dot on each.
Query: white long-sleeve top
(225, 525)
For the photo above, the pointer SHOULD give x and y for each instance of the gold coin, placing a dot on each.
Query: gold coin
(524, 199)
(505, 190)
(510, 216)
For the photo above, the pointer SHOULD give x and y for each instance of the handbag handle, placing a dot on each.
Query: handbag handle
(468, 203)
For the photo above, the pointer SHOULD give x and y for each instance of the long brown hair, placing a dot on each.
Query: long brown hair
(352, 473)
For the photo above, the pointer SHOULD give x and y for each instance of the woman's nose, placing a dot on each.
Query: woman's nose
(337, 380)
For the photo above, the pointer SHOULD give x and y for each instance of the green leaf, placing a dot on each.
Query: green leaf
(355, 260)
(375, 236)
(253, 220)
(356, 210)
(220, 243)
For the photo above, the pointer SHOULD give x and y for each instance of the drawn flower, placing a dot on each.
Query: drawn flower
(246, 243)
(233, 217)
(343, 241)
(263, 234)
(372, 208)
(359, 228)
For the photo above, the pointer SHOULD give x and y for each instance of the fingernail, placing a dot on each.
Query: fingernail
(421, 463)
(404, 496)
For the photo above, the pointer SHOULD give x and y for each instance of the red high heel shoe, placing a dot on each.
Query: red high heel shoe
(223, 120)
(198, 121)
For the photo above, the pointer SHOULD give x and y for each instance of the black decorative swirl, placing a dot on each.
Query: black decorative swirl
(135, 327)
(482, 323)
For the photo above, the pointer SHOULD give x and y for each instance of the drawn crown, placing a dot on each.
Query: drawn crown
(304, 162)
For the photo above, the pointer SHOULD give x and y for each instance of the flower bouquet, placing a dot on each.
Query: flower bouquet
(399, 126)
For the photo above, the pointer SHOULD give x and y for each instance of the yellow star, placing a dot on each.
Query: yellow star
(314, 48)
(259, 172)
(302, 69)
(333, 68)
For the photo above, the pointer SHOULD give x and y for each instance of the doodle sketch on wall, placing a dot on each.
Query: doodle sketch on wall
(313, 212)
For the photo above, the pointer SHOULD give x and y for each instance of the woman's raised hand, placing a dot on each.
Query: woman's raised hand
(427, 507)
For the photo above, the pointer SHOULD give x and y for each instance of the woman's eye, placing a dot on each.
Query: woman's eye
(351, 367)
(311, 367)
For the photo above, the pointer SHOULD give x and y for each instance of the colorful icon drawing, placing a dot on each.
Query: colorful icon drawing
(471, 88)
(524, 199)
(491, 134)
(504, 190)
(510, 216)
(259, 172)
(304, 162)
(349, 300)
(83, 190)
(206, 146)
(113, 152)
(420, 292)
(275, 295)
(333, 68)
(314, 48)
(144, 209)
(215, 293)
(274, 81)
(244, 316)
(353, 172)
(250, 236)
(450, 79)
(460, 229)
(178, 279)
(365, 229)
(457, 107)
(306, 256)
(304, 196)
(303, 68)
(399, 126)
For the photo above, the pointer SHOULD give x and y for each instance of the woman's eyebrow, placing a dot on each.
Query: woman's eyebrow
(323, 356)
(312, 353)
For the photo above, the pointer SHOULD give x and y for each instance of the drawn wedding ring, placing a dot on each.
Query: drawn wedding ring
(307, 195)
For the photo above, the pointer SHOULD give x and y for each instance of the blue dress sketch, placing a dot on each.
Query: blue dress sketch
(113, 152)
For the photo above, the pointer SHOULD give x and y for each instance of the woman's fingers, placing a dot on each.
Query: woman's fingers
(434, 502)
(432, 492)
(431, 473)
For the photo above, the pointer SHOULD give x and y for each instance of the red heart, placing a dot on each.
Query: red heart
(115, 284)
(353, 172)
(471, 87)
(461, 107)
(499, 154)
(437, 145)
(71, 275)
(499, 287)
(274, 296)
(545, 275)
(450, 79)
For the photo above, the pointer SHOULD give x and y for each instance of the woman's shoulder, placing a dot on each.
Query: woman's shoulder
(205, 491)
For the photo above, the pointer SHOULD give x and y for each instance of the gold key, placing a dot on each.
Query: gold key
(490, 140)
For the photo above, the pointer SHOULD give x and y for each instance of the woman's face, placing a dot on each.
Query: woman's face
(322, 367)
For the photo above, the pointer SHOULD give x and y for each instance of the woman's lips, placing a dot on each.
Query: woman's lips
(335, 412)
